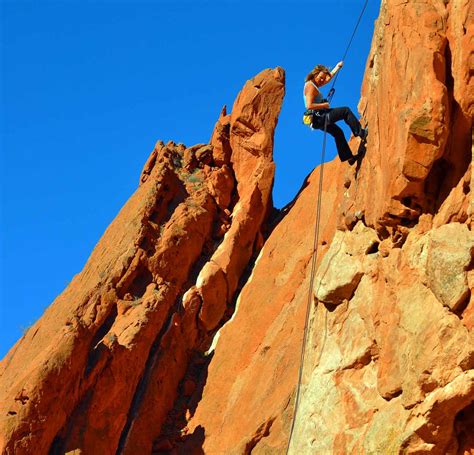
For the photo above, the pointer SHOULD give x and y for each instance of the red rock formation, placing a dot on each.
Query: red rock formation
(165, 344)
(390, 354)
(99, 372)
(418, 100)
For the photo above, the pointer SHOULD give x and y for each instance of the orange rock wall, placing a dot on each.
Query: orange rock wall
(100, 371)
(183, 333)
(418, 100)
(389, 357)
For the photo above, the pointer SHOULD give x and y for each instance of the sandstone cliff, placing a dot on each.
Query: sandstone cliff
(183, 332)
(100, 371)
(390, 354)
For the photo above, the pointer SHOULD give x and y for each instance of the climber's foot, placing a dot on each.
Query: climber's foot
(362, 150)
(364, 132)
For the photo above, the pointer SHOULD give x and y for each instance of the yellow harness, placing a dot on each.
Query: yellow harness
(307, 119)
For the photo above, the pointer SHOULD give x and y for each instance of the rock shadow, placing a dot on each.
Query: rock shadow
(174, 437)
(360, 157)
(447, 172)
(277, 215)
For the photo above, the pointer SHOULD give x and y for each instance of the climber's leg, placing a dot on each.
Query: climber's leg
(343, 149)
(344, 113)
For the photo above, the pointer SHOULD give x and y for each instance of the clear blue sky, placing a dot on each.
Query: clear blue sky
(88, 87)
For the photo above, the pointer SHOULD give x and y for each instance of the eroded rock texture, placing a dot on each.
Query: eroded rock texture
(183, 333)
(100, 371)
(390, 354)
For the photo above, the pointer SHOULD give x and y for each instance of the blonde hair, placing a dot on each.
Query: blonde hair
(317, 69)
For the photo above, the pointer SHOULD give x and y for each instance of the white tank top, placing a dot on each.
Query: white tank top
(317, 99)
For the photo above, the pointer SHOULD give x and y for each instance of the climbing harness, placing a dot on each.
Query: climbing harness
(316, 234)
(312, 117)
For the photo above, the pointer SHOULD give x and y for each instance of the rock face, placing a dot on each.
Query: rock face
(183, 333)
(388, 364)
(101, 370)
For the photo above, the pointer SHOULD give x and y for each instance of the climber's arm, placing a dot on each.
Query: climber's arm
(337, 68)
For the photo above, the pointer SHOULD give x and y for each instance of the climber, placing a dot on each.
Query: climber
(317, 108)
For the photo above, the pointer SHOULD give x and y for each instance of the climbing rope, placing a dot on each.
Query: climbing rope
(350, 41)
(316, 240)
(311, 280)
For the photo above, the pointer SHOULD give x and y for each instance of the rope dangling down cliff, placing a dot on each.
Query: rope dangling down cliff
(359, 156)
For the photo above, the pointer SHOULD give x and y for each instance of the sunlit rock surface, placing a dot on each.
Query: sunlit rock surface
(183, 333)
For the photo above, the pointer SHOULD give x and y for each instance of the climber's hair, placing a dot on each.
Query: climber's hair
(317, 69)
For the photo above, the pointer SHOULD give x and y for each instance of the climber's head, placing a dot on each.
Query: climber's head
(320, 75)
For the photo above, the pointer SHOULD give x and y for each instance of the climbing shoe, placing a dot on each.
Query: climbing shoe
(364, 132)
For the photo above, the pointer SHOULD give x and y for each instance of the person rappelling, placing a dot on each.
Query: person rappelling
(315, 103)
(318, 111)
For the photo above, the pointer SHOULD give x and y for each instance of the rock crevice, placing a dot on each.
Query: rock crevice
(154, 290)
